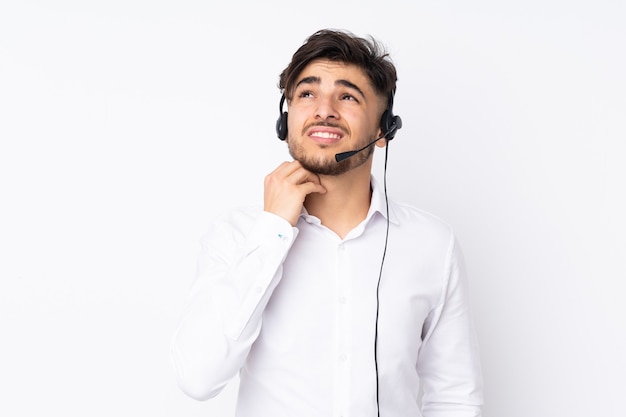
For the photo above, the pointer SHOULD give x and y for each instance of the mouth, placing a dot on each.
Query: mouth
(325, 134)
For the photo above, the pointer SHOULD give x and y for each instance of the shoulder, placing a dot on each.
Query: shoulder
(407, 216)
(422, 237)
(421, 230)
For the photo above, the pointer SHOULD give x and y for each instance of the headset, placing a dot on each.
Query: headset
(389, 123)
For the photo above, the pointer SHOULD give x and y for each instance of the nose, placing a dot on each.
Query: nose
(326, 108)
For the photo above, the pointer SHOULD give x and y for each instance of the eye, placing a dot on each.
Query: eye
(349, 97)
(305, 94)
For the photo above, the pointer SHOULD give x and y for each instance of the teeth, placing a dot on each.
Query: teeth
(326, 135)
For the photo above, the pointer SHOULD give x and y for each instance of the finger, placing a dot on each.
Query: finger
(286, 168)
(279, 173)
(302, 175)
(311, 187)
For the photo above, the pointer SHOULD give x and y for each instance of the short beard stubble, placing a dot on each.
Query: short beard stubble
(322, 165)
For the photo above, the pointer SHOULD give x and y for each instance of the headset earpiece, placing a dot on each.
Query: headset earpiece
(281, 123)
(389, 124)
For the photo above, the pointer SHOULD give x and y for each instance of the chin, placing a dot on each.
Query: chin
(328, 165)
(330, 168)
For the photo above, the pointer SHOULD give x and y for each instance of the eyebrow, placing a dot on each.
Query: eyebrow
(318, 80)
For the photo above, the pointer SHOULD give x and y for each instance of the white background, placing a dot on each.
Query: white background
(126, 126)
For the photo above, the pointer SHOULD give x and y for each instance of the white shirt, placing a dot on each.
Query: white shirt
(293, 311)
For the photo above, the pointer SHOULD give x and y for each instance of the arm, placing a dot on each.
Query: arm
(238, 269)
(239, 266)
(449, 363)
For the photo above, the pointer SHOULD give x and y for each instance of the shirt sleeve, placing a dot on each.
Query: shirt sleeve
(239, 266)
(449, 363)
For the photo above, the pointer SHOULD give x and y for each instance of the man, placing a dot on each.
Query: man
(331, 300)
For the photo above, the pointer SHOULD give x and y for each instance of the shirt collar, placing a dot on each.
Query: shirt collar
(377, 205)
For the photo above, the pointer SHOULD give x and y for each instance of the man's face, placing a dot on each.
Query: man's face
(334, 109)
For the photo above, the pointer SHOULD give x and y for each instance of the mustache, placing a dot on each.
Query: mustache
(325, 124)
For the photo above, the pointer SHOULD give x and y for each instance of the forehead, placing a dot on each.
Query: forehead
(324, 71)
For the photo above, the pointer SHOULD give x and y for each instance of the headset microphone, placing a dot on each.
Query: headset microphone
(345, 155)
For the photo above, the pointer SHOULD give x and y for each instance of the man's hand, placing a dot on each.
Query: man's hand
(286, 188)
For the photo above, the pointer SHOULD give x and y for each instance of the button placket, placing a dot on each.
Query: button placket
(343, 328)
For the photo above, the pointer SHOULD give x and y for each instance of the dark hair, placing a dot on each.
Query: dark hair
(343, 46)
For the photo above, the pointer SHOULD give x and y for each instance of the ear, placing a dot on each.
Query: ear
(381, 143)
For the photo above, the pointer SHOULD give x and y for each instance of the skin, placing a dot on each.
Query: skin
(333, 109)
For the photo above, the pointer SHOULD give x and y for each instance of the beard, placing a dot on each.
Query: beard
(327, 165)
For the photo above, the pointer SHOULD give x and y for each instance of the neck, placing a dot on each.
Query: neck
(346, 202)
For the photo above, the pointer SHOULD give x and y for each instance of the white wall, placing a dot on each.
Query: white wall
(126, 125)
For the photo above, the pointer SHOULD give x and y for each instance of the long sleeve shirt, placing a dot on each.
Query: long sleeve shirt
(294, 311)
